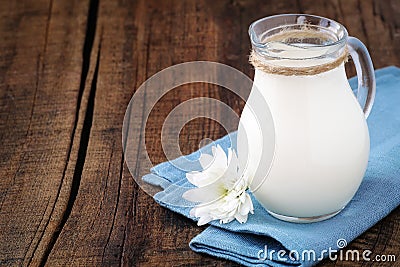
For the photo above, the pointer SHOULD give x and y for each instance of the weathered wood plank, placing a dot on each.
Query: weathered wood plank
(40, 75)
(93, 234)
(113, 220)
(66, 197)
(110, 217)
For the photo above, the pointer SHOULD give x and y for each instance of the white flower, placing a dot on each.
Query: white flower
(221, 189)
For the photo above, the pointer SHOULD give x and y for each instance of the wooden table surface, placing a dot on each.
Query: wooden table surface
(67, 72)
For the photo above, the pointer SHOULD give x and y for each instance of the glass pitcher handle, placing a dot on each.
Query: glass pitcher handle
(365, 74)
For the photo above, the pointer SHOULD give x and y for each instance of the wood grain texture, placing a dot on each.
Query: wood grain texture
(40, 76)
(67, 72)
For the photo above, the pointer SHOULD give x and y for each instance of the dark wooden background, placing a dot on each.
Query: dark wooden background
(67, 72)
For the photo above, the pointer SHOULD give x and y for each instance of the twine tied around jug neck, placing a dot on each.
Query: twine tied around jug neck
(263, 62)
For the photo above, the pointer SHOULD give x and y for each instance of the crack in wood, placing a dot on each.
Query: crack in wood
(115, 210)
(87, 124)
(122, 256)
(84, 141)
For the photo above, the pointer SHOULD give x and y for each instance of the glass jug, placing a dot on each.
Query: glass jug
(308, 162)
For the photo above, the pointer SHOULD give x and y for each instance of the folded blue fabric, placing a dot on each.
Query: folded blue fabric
(257, 242)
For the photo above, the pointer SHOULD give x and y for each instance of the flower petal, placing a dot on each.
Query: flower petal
(221, 189)
(204, 194)
(204, 220)
(202, 211)
(192, 212)
(226, 220)
(201, 179)
(220, 158)
(232, 159)
(247, 206)
(242, 197)
(194, 176)
(206, 160)
(241, 218)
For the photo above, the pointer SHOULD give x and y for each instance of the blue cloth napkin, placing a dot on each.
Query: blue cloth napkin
(257, 242)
